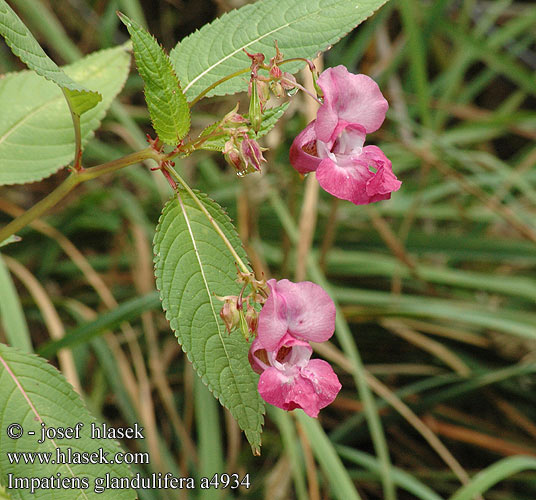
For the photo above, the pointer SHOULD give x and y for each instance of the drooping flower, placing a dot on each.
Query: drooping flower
(289, 379)
(293, 315)
(303, 310)
(332, 145)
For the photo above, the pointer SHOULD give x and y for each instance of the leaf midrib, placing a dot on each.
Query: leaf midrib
(28, 116)
(221, 61)
(230, 365)
(18, 385)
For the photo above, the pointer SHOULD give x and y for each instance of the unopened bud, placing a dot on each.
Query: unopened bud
(288, 81)
(233, 117)
(277, 89)
(243, 325)
(232, 155)
(229, 313)
(275, 72)
(252, 153)
(252, 319)
(255, 106)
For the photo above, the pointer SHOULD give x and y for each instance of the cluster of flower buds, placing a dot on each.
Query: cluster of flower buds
(232, 313)
(244, 154)
(277, 81)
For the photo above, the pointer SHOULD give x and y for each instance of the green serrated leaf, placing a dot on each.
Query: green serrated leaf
(31, 392)
(192, 266)
(25, 46)
(302, 28)
(269, 119)
(167, 104)
(36, 135)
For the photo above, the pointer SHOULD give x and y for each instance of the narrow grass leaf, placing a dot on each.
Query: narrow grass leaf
(493, 474)
(208, 436)
(127, 311)
(339, 480)
(401, 478)
(11, 314)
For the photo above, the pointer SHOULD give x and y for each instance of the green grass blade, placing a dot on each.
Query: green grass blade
(401, 478)
(340, 482)
(493, 474)
(11, 314)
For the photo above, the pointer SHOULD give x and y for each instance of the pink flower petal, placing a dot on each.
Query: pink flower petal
(349, 97)
(310, 310)
(324, 380)
(384, 182)
(300, 159)
(345, 179)
(287, 393)
(312, 388)
(351, 178)
(273, 322)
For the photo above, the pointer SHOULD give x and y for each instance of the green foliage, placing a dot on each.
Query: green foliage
(493, 474)
(167, 105)
(269, 119)
(38, 393)
(36, 135)
(11, 313)
(12, 239)
(24, 45)
(302, 29)
(192, 267)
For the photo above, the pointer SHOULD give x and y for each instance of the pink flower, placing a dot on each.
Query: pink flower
(332, 145)
(303, 310)
(290, 379)
(294, 314)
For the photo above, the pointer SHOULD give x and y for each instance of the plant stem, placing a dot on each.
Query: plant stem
(221, 234)
(77, 163)
(69, 184)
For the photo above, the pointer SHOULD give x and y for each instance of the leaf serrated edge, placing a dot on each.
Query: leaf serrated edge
(75, 397)
(244, 8)
(213, 204)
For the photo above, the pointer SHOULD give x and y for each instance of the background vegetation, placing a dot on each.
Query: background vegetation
(436, 287)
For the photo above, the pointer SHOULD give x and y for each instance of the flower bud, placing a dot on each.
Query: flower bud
(232, 155)
(252, 319)
(277, 89)
(255, 106)
(233, 117)
(275, 72)
(252, 153)
(229, 313)
(288, 81)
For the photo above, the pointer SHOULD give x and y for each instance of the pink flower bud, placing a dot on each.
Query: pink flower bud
(232, 155)
(252, 319)
(275, 72)
(252, 153)
(229, 313)
(288, 81)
